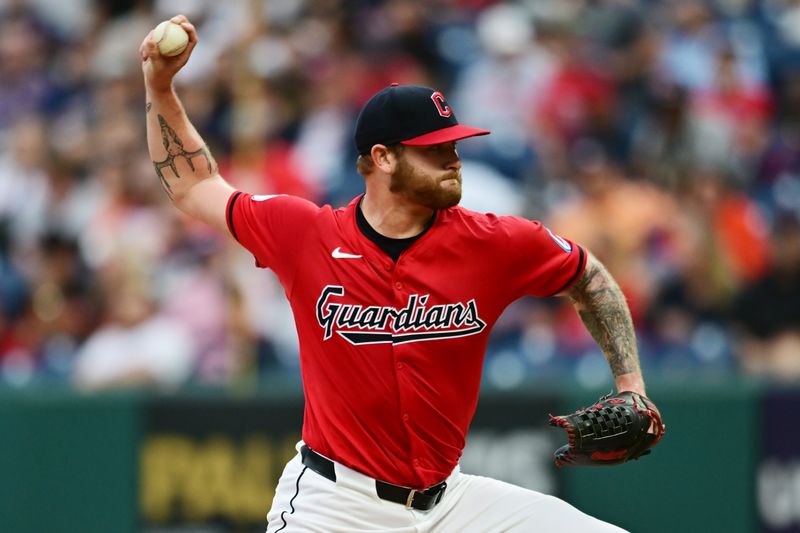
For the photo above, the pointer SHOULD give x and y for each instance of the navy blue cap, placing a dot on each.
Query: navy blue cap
(411, 115)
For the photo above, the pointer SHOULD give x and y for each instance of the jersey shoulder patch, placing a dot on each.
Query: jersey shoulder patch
(560, 241)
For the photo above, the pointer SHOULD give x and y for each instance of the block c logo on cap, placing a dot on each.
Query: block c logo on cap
(441, 106)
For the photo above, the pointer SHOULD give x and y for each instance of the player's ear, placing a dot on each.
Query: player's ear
(383, 158)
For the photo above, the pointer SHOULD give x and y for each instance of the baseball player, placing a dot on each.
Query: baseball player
(394, 297)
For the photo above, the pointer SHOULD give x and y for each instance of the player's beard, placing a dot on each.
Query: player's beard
(424, 189)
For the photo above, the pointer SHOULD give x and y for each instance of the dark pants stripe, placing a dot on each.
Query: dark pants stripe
(291, 502)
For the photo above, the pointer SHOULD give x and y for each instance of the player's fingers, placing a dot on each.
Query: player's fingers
(177, 19)
(192, 33)
(151, 46)
(191, 30)
(151, 50)
(182, 58)
(190, 47)
(148, 47)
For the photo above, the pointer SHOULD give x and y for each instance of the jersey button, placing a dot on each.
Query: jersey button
(416, 462)
(398, 285)
(399, 366)
(405, 417)
(388, 266)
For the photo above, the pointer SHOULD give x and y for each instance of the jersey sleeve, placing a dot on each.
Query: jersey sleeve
(542, 263)
(271, 227)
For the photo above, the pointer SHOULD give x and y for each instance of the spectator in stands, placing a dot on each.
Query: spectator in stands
(767, 311)
(136, 346)
(676, 125)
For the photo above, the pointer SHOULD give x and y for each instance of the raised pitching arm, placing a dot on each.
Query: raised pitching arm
(182, 161)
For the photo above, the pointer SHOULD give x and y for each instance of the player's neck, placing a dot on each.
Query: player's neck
(393, 217)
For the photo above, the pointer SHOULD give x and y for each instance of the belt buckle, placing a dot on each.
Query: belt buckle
(410, 500)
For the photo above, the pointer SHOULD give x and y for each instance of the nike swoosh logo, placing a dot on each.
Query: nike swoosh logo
(264, 197)
(339, 254)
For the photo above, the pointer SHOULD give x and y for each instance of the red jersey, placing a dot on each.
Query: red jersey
(391, 354)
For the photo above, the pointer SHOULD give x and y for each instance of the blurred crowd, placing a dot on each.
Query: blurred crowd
(662, 135)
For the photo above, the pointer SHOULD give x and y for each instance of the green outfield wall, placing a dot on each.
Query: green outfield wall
(68, 463)
(125, 463)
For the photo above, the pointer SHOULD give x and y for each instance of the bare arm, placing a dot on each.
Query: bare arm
(182, 161)
(604, 311)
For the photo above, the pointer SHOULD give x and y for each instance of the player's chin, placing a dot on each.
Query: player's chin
(450, 185)
(448, 196)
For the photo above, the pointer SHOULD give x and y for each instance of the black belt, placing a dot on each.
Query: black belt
(422, 500)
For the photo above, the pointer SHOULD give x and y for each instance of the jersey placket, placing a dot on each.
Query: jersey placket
(399, 285)
(401, 296)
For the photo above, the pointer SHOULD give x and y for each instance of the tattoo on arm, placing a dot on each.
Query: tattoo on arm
(148, 107)
(175, 149)
(604, 311)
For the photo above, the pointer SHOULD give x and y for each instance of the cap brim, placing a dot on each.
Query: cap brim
(445, 135)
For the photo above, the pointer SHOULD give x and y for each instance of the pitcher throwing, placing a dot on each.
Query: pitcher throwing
(394, 297)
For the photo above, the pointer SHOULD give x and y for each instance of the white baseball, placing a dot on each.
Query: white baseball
(172, 39)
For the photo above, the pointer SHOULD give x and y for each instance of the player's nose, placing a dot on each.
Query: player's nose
(454, 163)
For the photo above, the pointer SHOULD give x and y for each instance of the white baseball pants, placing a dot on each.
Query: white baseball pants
(310, 503)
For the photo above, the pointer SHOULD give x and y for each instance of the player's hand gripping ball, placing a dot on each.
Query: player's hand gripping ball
(172, 39)
(616, 429)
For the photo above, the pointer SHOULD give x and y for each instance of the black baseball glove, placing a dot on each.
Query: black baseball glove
(618, 428)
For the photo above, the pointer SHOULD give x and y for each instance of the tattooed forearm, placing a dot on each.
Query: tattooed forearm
(148, 107)
(604, 311)
(175, 149)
